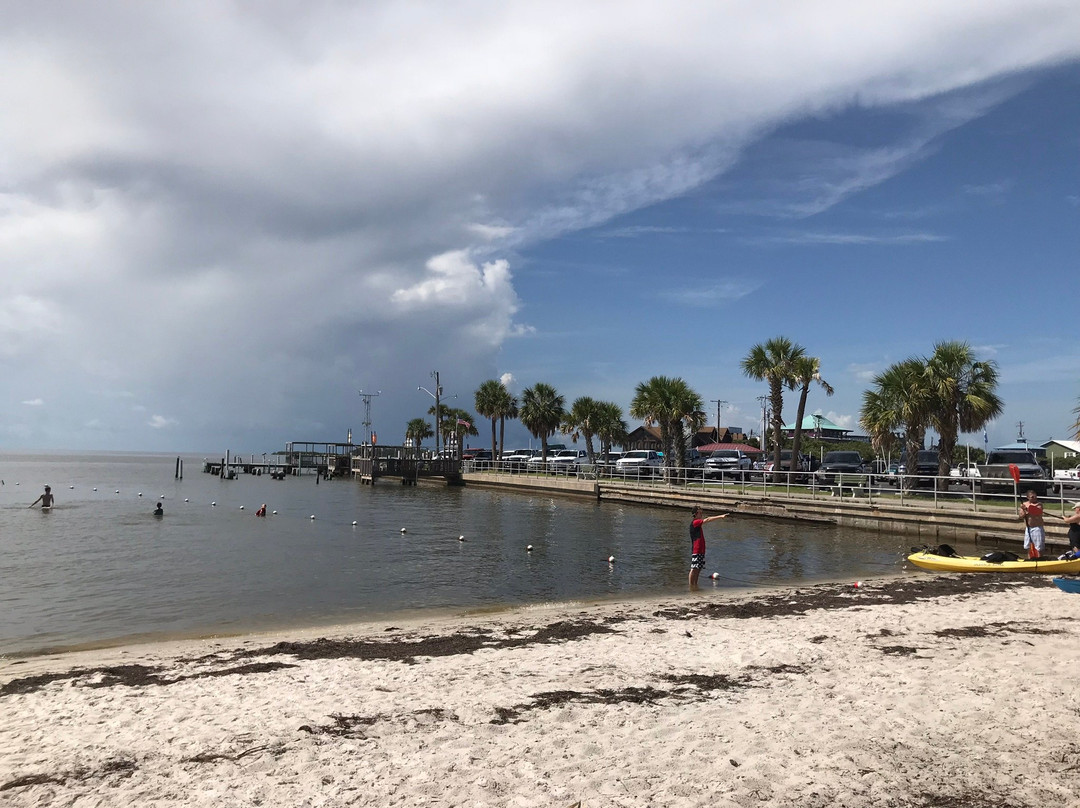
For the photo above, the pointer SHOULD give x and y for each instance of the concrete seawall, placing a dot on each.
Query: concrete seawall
(927, 522)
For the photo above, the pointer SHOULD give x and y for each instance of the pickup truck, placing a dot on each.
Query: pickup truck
(995, 476)
(727, 461)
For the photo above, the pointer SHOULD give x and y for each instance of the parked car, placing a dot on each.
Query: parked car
(517, 459)
(965, 470)
(608, 459)
(476, 454)
(838, 464)
(727, 461)
(925, 468)
(638, 462)
(567, 460)
(785, 466)
(695, 459)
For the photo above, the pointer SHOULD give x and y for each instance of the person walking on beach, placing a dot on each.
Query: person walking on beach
(1034, 527)
(45, 499)
(697, 546)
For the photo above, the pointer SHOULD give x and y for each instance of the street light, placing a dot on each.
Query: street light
(438, 409)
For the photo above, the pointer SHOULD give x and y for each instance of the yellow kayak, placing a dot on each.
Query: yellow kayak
(939, 563)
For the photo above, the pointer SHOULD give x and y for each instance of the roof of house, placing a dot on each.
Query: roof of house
(1071, 445)
(743, 447)
(809, 424)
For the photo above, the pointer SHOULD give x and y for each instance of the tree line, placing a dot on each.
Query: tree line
(950, 391)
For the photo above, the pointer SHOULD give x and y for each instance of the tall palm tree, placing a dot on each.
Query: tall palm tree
(463, 423)
(541, 412)
(508, 408)
(773, 363)
(609, 425)
(488, 399)
(899, 400)
(672, 405)
(416, 430)
(581, 421)
(806, 370)
(964, 395)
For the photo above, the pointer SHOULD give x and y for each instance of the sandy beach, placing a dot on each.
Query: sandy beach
(915, 691)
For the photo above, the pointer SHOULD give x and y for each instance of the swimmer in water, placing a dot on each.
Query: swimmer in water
(45, 499)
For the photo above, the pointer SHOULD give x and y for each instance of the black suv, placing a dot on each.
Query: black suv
(836, 464)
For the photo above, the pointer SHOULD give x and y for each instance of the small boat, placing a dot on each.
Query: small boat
(1068, 585)
(940, 563)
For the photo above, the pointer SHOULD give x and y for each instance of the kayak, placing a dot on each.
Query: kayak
(1067, 585)
(938, 563)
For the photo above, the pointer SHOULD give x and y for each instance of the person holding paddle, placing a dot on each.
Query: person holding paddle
(1034, 527)
(697, 539)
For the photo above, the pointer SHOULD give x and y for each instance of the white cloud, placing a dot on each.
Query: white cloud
(711, 294)
(333, 195)
(34, 402)
(161, 422)
(843, 421)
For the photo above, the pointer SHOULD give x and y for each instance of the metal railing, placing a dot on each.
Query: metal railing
(972, 493)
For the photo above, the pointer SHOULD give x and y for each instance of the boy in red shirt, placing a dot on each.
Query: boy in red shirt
(697, 549)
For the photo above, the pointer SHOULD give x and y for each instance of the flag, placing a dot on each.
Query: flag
(986, 441)
(464, 423)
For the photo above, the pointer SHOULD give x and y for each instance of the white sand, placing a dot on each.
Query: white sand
(828, 708)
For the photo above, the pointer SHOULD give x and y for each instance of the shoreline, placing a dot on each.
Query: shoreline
(908, 691)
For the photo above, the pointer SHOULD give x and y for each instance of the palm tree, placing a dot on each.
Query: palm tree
(806, 370)
(609, 425)
(581, 421)
(508, 408)
(488, 399)
(672, 405)
(773, 363)
(541, 412)
(900, 399)
(462, 424)
(416, 430)
(964, 397)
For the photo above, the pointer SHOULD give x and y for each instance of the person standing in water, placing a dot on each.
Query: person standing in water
(697, 546)
(160, 509)
(45, 499)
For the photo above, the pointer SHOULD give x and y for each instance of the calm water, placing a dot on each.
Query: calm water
(99, 568)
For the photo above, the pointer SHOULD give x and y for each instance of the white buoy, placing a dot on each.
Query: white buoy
(611, 559)
(461, 538)
(312, 516)
(529, 548)
(241, 507)
(274, 512)
(71, 487)
(140, 493)
(94, 489)
(353, 524)
(186, 499)
(213, 504)
(715, 575)
(118, 490)
(403, 530)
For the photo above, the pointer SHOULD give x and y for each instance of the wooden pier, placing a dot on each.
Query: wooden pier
(404, 463)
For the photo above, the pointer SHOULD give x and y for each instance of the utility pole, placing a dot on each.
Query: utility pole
(367, 413)
(719, 403)
(764, 423)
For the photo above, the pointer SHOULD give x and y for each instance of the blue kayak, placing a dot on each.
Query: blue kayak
(1068, 584)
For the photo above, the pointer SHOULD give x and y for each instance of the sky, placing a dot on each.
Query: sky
(220, 222)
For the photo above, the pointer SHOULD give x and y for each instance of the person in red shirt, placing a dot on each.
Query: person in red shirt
(697, 539)
(1034, 526)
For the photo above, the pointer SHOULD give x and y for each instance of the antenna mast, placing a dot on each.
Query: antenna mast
(367, 412)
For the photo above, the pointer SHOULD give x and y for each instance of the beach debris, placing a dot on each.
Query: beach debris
(858, 584)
